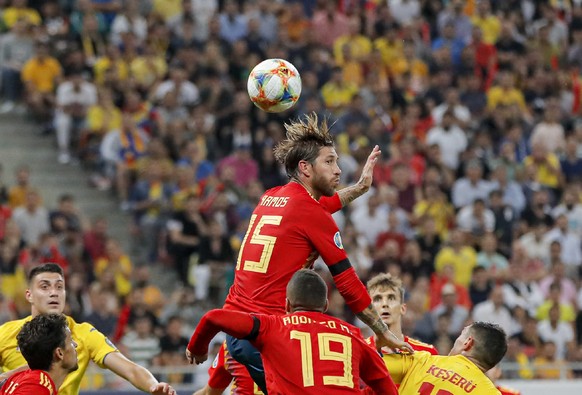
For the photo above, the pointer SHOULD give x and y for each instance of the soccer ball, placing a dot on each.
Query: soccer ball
(274, 85)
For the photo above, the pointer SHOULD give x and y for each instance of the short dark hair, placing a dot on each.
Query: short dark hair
(307, 290)
(490, 343)
(39, 338)
(305, 138)
(44, 268)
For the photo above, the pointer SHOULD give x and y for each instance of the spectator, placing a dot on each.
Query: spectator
(476, 219)
(458, 314)
(460, 256)
(471, 187)
(141, 344)
(493, 262)
(16, 49)
(481, 285)
(494, 310)
(558, 332)
(32, 218)
(569, 241)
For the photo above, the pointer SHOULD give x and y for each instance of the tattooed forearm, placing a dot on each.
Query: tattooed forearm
(351, 193)
(370, 317)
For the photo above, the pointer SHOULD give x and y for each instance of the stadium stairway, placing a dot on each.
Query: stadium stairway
(21, 143)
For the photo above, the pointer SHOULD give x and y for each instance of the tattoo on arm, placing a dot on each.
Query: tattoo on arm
(370, 317)
(351, 193)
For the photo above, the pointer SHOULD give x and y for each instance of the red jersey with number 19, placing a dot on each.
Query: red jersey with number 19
(29, 382)
(285, 228)
(307, 352)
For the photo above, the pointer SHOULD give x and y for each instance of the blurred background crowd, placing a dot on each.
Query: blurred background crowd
(476, 202)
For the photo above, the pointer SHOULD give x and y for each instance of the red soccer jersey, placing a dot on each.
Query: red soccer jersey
(307, 352)
(286, 227)
(29, 382)
(225, 369)
(416, 345)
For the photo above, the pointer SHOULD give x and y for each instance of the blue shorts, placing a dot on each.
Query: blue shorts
(247, 354)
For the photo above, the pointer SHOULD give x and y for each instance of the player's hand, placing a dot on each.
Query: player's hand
(162, 389)
(195, 358)
(387, 339)
(367, 172)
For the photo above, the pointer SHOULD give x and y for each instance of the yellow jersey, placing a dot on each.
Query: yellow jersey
(424, 374)
(92, 345)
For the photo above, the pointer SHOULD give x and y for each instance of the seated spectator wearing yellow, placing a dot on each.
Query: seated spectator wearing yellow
(19, 10)
(409, 63)
(567, 311)
(40, 73)
(461, 257)
(337, 93)
(148, 68)
(544, 165)
(390, 46)
(547, 366)
(434, 205)
(489, 23)
(357, 45)
(111, 66)
(17, 193)
(505, 93)
(119, 263)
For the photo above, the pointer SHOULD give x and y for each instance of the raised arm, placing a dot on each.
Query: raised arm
(234, 323)
(351, 193)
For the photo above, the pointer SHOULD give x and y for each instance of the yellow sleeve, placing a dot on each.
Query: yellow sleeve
(398, 365)
(96, 343)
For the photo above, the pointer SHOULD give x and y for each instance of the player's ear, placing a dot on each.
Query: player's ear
(403, 308)
(28, 295)
(326, 306)
(287, 306)
(468, 343)
(303, 167)
(58, 354)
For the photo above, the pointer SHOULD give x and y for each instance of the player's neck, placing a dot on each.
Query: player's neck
(475, 361)
(397, 331)
(58, 375)
(309, 190)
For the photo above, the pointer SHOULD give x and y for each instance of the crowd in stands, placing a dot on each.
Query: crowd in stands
(476, 202)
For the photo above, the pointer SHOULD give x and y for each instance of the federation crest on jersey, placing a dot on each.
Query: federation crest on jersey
(215, 362)
(337, 239)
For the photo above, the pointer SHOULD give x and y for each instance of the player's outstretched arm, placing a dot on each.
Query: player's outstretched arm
(234, 323)
(140, 377)
(351, 193)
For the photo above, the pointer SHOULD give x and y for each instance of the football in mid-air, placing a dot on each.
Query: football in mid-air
(274, 85)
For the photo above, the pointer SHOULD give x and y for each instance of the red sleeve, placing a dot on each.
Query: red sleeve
(234, 323)
(218, 376)
(352, 289)
(374, 373)
(331, 204)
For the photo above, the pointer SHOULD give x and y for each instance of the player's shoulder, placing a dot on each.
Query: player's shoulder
(80, 329)
(417, 345)
(12, 326)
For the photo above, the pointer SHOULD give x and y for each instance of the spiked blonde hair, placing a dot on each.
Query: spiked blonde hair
(305, 137)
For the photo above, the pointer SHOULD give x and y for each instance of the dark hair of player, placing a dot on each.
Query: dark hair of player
(307, 291)
(44, 268)
(490, 343)
(305, 138)
(39, 338)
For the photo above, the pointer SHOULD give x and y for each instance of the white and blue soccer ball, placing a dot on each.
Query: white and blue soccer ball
(274, 85)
